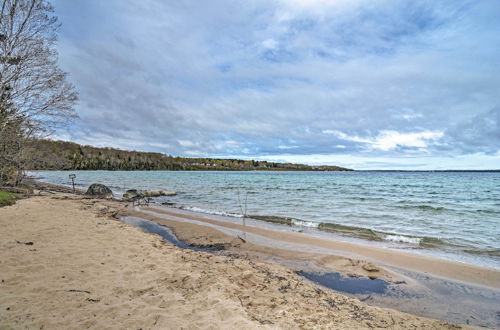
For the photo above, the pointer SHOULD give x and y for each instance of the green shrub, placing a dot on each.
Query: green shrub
(7, 198)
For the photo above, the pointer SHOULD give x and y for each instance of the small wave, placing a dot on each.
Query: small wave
(362, 199)
(487, 211)
(285, 221)
(423, 242)
(289, 189)
(491, 253)
(423, 207)
(374, 235)
(359, 232)
(273, 219)
(432, 242)
(403, 239)
(303, 223)
(214, 212)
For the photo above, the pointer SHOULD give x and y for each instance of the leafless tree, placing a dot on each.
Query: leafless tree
(35, 96)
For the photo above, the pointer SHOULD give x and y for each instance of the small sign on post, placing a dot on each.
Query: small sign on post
(72, 177)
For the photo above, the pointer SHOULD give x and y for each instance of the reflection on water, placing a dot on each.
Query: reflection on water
(155, 228)
(348, 284)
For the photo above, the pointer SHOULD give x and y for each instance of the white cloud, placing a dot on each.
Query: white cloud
(270, 43)
(412, 116)
(187, 143)
(388, 140)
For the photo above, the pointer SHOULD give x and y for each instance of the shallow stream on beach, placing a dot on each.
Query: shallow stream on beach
(452, 215)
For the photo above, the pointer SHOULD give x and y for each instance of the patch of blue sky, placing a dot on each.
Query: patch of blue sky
(224, 68)
(279, 56)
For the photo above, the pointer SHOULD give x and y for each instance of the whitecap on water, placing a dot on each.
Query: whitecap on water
(402, 239)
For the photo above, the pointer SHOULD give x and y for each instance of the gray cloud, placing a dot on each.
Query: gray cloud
(480, 134)
(261, 78)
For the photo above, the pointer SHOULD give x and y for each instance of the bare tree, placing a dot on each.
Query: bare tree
(35, 96)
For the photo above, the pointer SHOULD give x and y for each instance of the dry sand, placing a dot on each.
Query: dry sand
(87, 270)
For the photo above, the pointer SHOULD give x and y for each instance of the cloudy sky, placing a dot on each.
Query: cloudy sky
(368, 84)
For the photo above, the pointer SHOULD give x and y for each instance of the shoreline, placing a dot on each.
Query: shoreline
(439, 267)
(85, 269)
(425, 246)
(467, 273)
(452, 245)
(448, 291)
(471, 274)
(277, 224)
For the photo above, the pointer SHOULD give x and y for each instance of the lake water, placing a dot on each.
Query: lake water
(455, 215)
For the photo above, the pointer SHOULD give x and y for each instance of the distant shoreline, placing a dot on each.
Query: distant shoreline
(280, 170)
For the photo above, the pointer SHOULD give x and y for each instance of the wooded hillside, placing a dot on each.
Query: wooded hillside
(61, 155)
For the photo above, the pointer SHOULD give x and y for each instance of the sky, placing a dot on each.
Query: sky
(366, 84)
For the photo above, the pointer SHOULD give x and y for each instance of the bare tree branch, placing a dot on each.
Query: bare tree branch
(35, 95)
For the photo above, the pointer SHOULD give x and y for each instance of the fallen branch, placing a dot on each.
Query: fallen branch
(25, 243)
(74, 290)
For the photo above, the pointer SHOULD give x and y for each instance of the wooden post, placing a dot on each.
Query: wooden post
(72, 177)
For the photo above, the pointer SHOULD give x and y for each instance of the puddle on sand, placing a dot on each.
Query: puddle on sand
(427, 296)
(155, 228)
(354, 285)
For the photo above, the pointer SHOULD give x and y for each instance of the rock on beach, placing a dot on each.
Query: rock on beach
(158, 193)
(132, 194)
(99, 190)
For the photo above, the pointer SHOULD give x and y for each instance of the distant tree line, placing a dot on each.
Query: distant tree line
(61, 155)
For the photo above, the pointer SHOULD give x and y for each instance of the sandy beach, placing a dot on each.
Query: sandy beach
(68, 264)
(292, 164)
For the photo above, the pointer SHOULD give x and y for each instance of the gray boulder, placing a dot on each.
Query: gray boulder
(99, 191)
(152, 193)
(167, 193)
(157, 193)
(132, 195)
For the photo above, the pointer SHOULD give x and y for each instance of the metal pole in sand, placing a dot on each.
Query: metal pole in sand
(72, 177)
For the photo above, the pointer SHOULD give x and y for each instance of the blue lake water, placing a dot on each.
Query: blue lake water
(456, 214)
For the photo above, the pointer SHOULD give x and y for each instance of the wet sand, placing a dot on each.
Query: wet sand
(436, 267)
(68, 264)
(420, 285)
